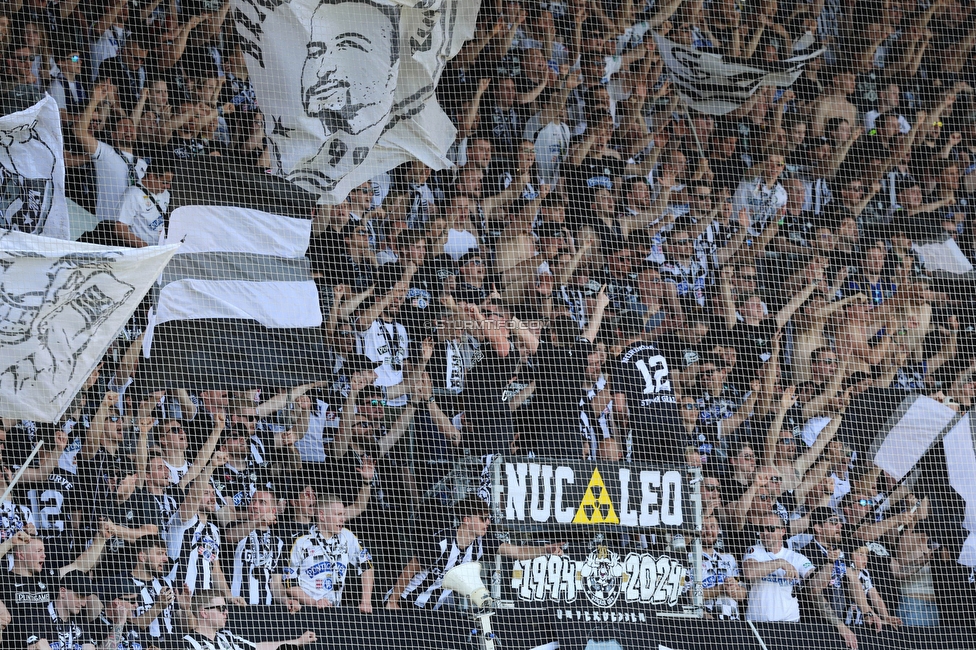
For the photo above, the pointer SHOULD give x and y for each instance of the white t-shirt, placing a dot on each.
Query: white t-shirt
(459, 242)
(112, 170)
(771, 597)
(763, 203)
(323, 422)
(871, 118)
(388, 345)
(144, 213)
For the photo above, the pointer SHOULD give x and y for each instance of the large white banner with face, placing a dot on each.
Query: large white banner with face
(347, 86)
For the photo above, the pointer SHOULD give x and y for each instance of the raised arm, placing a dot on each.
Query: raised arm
(206, 452)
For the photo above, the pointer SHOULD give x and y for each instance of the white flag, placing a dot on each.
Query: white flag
(716, 85)
(61, 304)
(362, 101)
(960, 451)
(922, 420)
(943, 255)
(32, 171)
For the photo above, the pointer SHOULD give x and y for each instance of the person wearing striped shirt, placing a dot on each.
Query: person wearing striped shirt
(210, 631)
(193, 540)
(257, 558)
(422, 578)
(154, 612)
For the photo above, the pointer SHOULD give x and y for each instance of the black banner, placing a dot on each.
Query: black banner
(573, 628)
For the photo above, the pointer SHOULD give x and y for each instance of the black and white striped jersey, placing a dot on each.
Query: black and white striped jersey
(195, 548)
(256, 560)
(149, 592)
(223, 640)
(437, 556)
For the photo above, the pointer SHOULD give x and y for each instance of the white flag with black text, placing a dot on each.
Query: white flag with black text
(362, 101)
(61, 304)
(713, 84)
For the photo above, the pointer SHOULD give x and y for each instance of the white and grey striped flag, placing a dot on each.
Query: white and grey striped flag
(713, 84)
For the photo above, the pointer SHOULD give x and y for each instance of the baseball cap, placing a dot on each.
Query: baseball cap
(78, 582)
(820, 515)
(118, 587)
(550, 229)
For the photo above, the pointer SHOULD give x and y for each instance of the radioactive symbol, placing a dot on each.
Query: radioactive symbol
(596, 506)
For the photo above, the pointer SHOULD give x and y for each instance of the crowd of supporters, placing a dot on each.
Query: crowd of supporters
(603, 274)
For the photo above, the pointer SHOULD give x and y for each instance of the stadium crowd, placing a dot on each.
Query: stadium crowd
(603, 274)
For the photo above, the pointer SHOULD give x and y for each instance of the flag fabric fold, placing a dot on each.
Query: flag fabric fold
(32, 171)
(362, 101)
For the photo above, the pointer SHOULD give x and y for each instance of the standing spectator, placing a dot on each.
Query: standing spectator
(257, 558)
(155, 611)
(423, 576)
(114, 627)
(642, 389)
(762, 196)
(868, 607)
(59, 622)
(320, 561)
(20, 88)
(68, 88)
(145, 206)
(193, 542)
(116, 166)
(720, 574)
(774, 572)
(127, 72)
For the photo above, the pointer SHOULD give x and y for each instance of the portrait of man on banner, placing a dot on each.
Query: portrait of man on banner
(348, 80)
(351, 66)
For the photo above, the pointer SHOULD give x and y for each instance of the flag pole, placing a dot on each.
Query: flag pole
(20, 472)
(694, 132)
